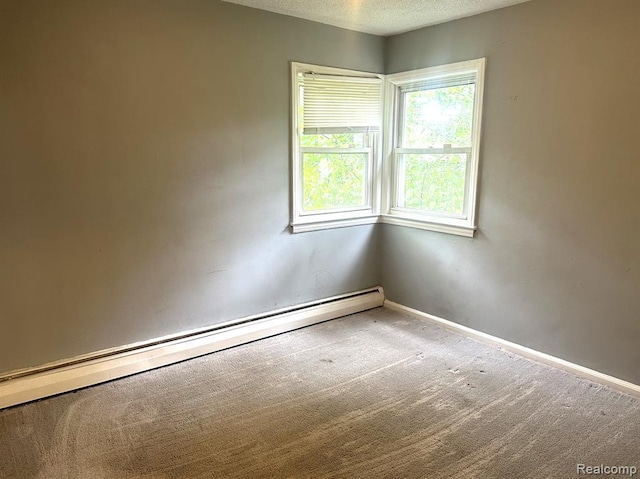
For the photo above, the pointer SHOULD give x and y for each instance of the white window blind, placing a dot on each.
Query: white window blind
(335, 104)
(466, 78)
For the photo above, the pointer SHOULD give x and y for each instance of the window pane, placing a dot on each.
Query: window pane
(438, 116)
(333, 180)
(334, 140)
(432, 183)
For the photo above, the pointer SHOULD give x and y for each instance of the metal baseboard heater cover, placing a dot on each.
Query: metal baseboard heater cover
(36, 383)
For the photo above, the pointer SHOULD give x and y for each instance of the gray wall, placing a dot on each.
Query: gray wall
(556, 262)
(144, 177)
(144, 172)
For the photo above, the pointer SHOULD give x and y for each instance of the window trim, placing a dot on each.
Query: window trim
(466, 225)
(381, 168)
(302, 221)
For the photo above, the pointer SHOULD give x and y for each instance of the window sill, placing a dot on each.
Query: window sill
(303, 227)
(320, 224)
(467, 231)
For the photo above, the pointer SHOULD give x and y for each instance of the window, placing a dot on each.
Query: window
(431, 135)
(433, 154)
(337, 119)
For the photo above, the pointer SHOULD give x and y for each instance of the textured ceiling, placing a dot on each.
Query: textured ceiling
(380, 17)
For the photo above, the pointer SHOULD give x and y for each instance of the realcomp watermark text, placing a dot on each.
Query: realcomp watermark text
(605, 470)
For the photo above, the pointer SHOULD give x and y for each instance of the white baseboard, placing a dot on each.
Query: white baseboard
(110, 364)
(87, 370)
(575, 369)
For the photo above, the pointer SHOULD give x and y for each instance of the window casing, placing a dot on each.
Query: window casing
(336, 144)
(432, 148)
(429, 137)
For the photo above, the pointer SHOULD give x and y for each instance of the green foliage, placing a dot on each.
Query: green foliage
(334, 140)
(333, 180)
(434, 183)
(434, 118)
(438, 116)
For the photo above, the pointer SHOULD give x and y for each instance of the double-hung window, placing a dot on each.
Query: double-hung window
(337, 119)
(434, 147)
(426, 174)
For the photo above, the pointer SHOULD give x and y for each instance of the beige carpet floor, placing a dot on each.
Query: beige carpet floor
(373, 395)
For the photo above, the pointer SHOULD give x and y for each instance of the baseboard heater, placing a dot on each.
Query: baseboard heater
(36, 383)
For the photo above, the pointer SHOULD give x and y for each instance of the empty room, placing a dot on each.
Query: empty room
(319, 239)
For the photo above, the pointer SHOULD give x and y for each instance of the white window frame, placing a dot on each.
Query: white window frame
(381, 187)
(465, 224)
(301, 220)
